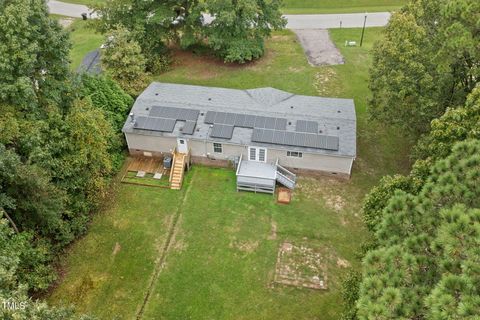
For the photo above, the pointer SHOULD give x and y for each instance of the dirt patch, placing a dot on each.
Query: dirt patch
(342, 263)
(296, 69)
(301, 266)
(318, 47)
(273, 232)
(327, 189)
(335, 202)
(306, 265)
(244, 246)
(65, 22)
(325, 81)
(116, 249)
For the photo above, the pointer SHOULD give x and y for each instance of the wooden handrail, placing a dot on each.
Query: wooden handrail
(173, 163)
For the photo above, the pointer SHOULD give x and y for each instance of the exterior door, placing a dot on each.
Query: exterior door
(257, 154)
(182, 145)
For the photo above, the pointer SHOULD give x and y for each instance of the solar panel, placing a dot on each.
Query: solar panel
(230, 119)
(210, 117)
(154, 124)
(278, 137)
(220, 118)
(306, 126)
(240, 120)
(192, 115)
(270, 123)
(297, 139)
(267, 136)
(289, 138)
(222, 131)
(257, 135)
(245, 120)
(249, 121)
(189, 127)
(260, 122)
(174, 113)
(280, 124)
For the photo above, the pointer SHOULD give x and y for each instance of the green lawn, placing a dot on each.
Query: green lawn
(84, 40)
(340, 6)
(220, 261)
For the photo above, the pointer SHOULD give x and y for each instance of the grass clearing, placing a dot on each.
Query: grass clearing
(221, 260)
(340, 6)
(84, 40)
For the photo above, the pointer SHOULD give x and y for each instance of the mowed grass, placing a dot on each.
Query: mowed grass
(84, 40)
(222, 254)
(106, 272)
(340, 6)
(222, 262)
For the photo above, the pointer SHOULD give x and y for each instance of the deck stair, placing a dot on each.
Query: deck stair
(285, 177)
(178, 170)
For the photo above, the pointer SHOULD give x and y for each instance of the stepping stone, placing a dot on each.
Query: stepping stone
(157, 176)
(141, 174)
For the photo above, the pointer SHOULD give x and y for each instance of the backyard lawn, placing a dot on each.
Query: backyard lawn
(209, 252)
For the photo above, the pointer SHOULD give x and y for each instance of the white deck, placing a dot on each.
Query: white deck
(255, 169)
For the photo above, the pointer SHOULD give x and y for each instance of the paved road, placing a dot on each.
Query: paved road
(330, 21)
(301, 21)
(67, 9)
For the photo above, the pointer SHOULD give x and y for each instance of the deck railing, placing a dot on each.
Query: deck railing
(239, 164)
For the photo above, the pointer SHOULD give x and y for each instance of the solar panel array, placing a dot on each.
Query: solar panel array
(306, 126)
(297, 139)
(154, 124)
(163, 119)
(174, 113)
(245, 120)
(222, 131)
(189, 127)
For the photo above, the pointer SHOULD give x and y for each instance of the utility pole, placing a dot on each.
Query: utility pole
(363, 30)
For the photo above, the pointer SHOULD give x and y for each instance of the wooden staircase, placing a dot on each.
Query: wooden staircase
(180, 161)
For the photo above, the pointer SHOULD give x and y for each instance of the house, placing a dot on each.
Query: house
(268, 134)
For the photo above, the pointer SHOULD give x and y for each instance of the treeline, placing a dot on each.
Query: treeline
(233, 30)
(60, 144)
(424, 261)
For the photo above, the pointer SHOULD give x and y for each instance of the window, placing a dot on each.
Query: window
(294, 154)
(257, 154)
(261, 155)
(252, 155)
(217, 148)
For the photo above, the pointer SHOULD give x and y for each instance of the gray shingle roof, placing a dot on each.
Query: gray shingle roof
(335, 117)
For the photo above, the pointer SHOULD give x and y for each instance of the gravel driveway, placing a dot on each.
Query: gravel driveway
(318, 47)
